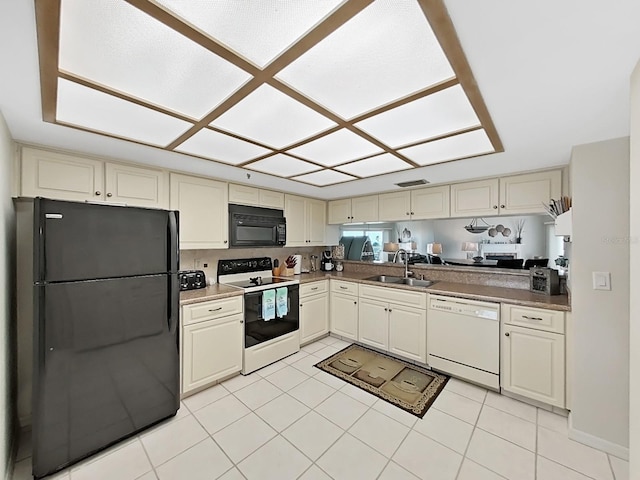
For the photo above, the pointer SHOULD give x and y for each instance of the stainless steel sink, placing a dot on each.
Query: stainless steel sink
(414, 282)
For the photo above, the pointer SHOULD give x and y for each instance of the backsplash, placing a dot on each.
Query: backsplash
(197, 259)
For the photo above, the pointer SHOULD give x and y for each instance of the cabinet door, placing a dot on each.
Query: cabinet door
(526, 193)
(340, 211)
(140, 187)
(203, 211)
(211, 350)
(364, 209)
(344, 315)
(473, 199)
(60, 176)
(373, 323)
(316, 219)
(295, 213)
(533, 364)
(243, 195)
(408, 332)
(314, 317)
(432, 202)
(271, 199)
(394, 207)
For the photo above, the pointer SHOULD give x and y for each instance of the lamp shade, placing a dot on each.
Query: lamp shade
(435, 248)
(469, 247)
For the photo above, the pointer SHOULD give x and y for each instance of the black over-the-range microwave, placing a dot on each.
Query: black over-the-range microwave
(256, 227)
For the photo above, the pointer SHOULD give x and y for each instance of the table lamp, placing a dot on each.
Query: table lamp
(434, 248)
(470, 248)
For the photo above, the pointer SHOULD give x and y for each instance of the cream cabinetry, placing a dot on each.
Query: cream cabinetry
(306, 220)
(393, 320)
(514, 195)
(314, 311)
(245, 195)
(211, 342)
(533, 354)
(203, 210)
(68, 177)
(344, 308)
(357, 209)
(419, 204)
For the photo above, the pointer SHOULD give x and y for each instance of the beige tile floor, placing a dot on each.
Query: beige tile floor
(291, 420)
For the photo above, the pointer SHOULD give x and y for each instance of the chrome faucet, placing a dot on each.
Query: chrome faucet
(406, 260)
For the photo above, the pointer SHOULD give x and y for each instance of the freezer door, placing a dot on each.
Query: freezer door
(106, 364)
(80, 241)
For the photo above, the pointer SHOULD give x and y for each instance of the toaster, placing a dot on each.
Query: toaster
(191, 279)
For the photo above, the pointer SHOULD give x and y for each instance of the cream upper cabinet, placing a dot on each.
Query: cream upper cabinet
(306, 220)
(339, 211)
(357, 209)
(68, 177)
(526, 193)
(245, 195)
(203, 210)
(141, 187)
(419, 204)
(475, 199)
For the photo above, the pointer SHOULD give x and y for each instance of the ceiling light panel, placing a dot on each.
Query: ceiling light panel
(94, 110)
(282, 166)
(324, 177)
(117, 45)
(258, 31)
(443, 112)
(369, 167)
(450, 148)
(273, 118)
(217, 146)
(336, 148)
(386, 52)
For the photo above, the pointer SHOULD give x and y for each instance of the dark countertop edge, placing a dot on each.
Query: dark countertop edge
(487, 293)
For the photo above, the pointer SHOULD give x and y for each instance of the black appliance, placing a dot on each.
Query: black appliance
(256, 227)
(326, 262)
(192, 279)
(106, 357)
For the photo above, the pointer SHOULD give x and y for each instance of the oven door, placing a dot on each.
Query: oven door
(257, 330)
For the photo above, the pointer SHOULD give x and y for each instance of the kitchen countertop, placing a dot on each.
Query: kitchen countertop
(487, 293)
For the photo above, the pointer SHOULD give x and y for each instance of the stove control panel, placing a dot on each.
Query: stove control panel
(244, 265)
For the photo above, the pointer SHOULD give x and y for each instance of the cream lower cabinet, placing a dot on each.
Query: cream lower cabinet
(533, 354)
(203, 210)
(393, 320)
(343, 311)
(212, 336)
(68, 177)
(314, 311)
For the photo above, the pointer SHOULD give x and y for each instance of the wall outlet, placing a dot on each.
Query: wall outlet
(601, 280)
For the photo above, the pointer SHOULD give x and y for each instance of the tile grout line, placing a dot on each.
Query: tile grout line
(464, 455)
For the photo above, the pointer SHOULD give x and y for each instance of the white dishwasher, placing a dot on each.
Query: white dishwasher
(463, 339)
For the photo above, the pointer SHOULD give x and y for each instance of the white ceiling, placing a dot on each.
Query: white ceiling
(552, 74)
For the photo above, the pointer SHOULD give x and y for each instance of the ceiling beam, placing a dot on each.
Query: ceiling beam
(48, 32)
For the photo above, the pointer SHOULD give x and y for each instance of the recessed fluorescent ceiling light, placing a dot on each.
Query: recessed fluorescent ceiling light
(275, 76)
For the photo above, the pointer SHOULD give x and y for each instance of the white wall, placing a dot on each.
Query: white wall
(6, 294)
(451, 233)
(600, 188)
(634, 281)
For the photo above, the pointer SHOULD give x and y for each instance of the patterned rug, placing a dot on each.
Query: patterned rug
(402, 384)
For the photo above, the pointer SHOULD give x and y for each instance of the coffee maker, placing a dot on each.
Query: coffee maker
(326, 263)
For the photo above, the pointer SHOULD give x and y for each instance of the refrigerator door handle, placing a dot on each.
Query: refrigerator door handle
(174, 244)
(174, 307)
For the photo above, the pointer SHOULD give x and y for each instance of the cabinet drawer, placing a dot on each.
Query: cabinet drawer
(547, 320)
(394, 295)
(209, 310)
(344, 287)
(313, 288)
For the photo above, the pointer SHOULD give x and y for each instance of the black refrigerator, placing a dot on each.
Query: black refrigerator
(106, 316)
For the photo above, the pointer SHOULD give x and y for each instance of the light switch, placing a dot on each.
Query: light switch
(601, 280)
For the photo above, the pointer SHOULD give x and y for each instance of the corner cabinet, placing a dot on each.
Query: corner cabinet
(314, 310)
(306, 219)
(203, 210)
(67, 177)
(533, 354)
(212, 338)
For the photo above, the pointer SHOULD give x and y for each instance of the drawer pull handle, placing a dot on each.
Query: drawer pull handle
(343, 287)
(215, 309)
(532, 318)
(314, 288)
